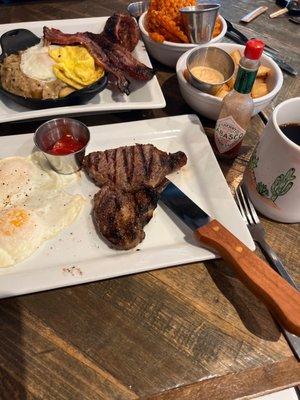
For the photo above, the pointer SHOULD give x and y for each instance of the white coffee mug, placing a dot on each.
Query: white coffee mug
(272, 176)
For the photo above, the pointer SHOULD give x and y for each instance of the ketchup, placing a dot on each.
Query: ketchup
(66, 144)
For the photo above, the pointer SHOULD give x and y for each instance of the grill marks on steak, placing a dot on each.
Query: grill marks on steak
(121, 216)
(130, 168)
(130, 178)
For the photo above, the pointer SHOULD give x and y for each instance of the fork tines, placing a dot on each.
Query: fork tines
(246, 207)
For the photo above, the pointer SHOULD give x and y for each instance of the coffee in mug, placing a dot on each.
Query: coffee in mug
(272, 176)
(291, 131)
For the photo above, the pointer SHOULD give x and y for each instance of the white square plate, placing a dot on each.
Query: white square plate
(143, 95)
(78, 255)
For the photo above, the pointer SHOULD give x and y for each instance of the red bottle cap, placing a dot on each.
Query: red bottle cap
(254, 49)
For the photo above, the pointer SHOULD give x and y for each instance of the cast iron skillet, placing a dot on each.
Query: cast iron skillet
(20, 39)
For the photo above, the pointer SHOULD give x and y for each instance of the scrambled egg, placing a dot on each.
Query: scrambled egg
(75, 66)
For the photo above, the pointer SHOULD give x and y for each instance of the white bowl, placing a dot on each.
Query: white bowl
(168, 53)
(208, 105)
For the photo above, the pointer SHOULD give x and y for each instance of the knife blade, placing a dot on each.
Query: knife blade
(280, 297)
(281, 63)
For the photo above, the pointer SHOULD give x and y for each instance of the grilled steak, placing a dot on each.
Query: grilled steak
(120, 216)
(122, 29)
(130, 178)
(131, 168)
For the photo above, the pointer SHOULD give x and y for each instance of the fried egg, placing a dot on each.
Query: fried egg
(20, 177)
(34, 207)
(21, 231)
(37, 64)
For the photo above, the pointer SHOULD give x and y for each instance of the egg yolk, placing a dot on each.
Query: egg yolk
(12, 220)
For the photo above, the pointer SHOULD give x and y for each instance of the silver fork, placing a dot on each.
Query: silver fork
(258, 234)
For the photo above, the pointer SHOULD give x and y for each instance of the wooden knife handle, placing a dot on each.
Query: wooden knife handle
(279, 296)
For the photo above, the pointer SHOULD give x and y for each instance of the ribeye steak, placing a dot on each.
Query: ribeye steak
(121, 216)
(130, 178)
(131, 168)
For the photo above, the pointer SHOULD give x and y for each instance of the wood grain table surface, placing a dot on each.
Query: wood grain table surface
(189, 332)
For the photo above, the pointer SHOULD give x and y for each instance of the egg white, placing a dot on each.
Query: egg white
(34, 207)
(18, 242)
(22, 177)
(37, 64)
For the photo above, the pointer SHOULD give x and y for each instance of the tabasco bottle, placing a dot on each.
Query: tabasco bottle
(237, 106)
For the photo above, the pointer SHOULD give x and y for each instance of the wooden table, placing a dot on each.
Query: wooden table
(190, 332)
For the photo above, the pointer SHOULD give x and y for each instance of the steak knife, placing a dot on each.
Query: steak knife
(280, 297)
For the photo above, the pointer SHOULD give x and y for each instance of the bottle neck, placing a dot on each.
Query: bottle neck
(246, 75)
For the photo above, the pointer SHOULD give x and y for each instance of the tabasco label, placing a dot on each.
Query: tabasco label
(228, 133)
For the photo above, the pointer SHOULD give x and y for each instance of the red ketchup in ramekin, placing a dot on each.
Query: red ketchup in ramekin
(66, 144)
(63, 142)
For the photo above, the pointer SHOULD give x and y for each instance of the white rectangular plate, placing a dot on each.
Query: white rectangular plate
(145, 95)
(78, 255)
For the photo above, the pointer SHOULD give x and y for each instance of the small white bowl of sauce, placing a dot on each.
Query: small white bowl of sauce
(209, 68)
(208, 105)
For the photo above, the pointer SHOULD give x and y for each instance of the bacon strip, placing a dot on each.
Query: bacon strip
(55, 36)
(122, 59)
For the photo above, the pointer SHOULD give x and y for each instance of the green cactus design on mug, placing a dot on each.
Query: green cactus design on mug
(262, 189)
(253, 161)
(282, 184)
(279, 187)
